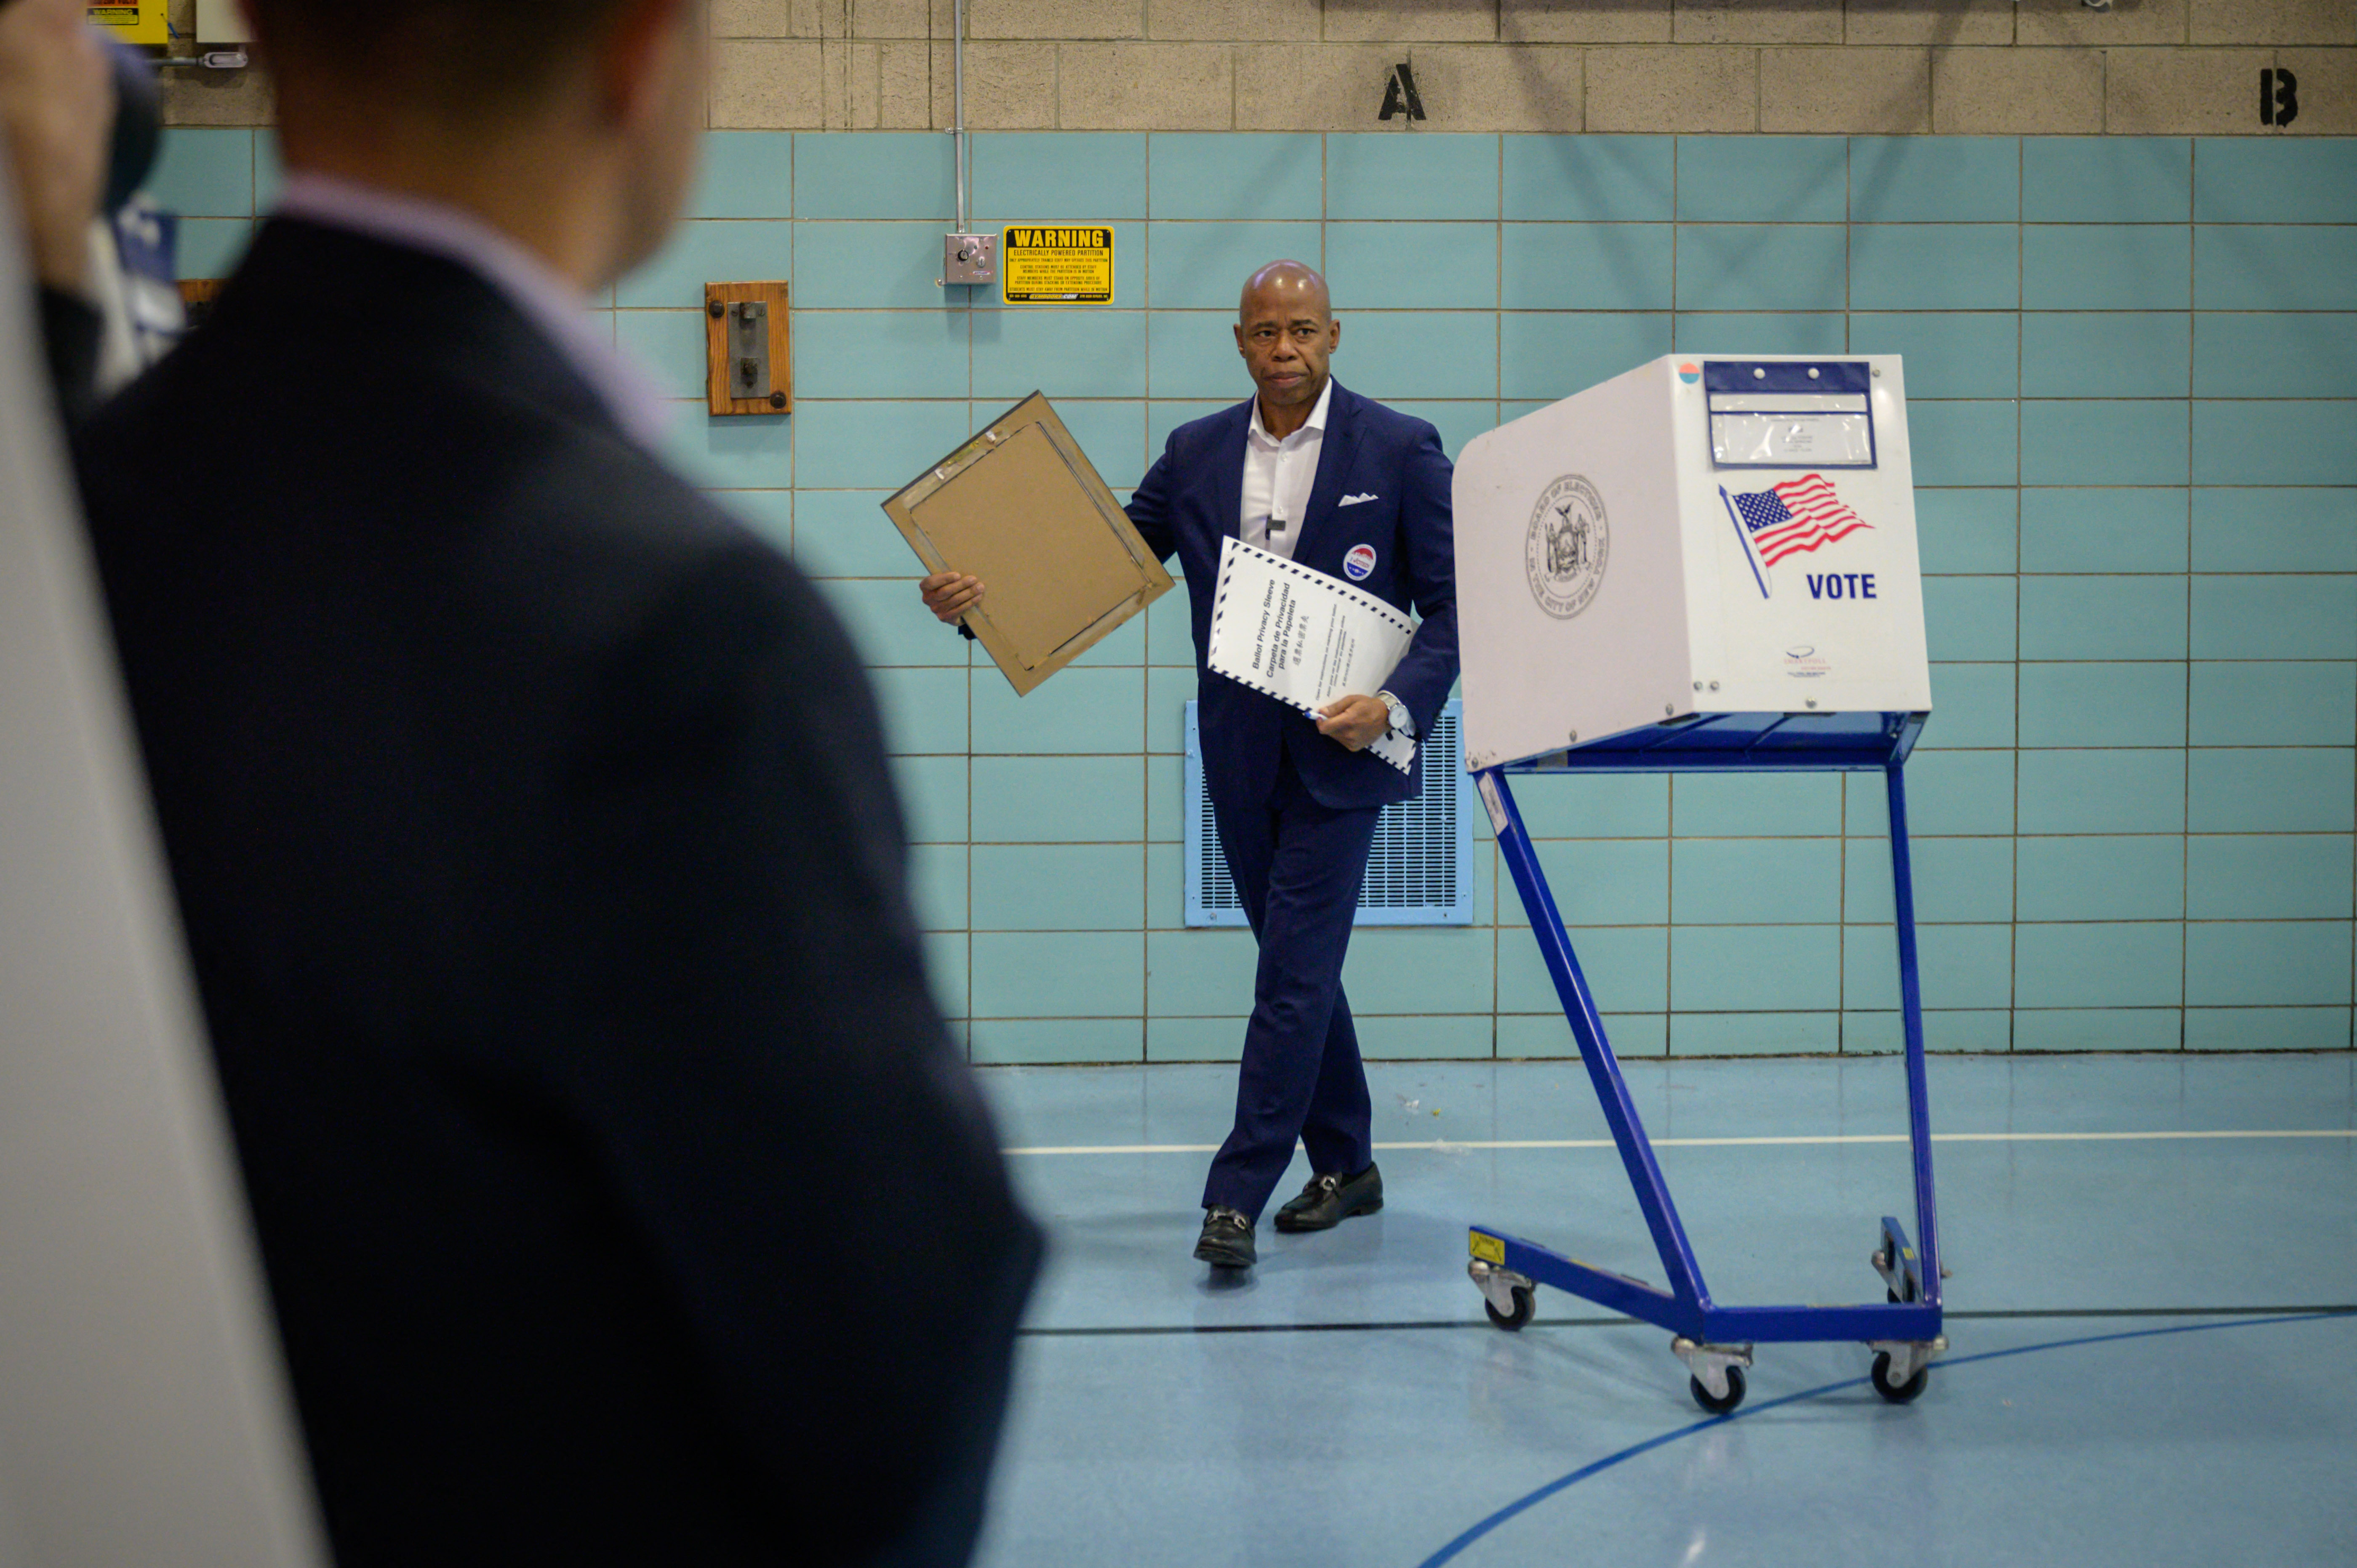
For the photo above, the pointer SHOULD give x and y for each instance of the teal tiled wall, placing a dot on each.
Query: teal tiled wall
(2135, 366)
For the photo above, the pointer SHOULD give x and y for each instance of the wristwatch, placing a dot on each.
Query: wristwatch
(1401, 724)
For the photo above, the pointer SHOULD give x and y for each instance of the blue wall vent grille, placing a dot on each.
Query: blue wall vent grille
(1419, 871)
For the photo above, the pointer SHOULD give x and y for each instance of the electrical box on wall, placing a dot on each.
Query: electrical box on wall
(133, 21)
(969, 260)
(748, 347)
(221, 22)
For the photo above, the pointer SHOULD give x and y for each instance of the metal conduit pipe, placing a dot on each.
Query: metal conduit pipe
(957, 109)
(968, 260)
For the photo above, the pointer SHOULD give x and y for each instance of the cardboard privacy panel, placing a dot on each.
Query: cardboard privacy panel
(1019, 507)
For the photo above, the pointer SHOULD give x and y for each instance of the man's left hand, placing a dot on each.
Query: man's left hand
(1356, 722)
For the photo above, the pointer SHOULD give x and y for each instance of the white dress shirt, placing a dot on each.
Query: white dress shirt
(1277, 477)
(549, 302)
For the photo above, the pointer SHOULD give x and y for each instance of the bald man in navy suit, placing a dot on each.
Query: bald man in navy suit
(1343, 485)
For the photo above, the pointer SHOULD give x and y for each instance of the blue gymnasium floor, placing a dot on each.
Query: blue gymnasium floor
(2153, 1337)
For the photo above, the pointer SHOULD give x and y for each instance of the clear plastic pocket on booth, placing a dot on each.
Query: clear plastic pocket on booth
(1790, 414)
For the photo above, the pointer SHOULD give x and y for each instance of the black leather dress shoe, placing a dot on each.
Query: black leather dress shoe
(1330, 1199)
(1227, 1239)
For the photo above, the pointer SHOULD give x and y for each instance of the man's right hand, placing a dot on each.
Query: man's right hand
(950, 594)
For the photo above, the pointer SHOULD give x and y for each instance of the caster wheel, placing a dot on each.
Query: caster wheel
(1525, 1308)
(1898, 1393)
(1711, 1402)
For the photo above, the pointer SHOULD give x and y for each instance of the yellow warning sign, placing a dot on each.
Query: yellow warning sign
(1060, 264)
(133, 21)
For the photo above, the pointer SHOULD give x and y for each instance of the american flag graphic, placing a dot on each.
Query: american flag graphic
(1798, 515)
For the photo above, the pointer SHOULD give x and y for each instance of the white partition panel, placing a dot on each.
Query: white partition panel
(143, 1416)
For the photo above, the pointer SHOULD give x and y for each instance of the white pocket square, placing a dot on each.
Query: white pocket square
(1354, 501)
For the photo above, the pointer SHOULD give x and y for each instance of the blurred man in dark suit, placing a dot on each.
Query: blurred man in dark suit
(622, 1196)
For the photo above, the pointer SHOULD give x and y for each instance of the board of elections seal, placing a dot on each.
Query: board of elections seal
(1565, 551)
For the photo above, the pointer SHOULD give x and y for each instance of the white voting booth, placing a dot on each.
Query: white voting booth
(1707, 564)
(1696, 537)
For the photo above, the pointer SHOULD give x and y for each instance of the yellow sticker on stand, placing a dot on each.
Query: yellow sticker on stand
(1064, 265)
(133, 21)
(1489, 1249)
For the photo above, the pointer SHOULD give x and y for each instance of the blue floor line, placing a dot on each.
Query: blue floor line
(1531, 1499)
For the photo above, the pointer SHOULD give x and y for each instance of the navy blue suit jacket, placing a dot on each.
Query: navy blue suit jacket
(1192, 499)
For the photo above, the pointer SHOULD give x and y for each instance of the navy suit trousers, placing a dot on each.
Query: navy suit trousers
(1298, 866)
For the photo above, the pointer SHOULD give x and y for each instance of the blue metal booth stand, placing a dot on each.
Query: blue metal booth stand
(1619, 578)
(1716, 1341)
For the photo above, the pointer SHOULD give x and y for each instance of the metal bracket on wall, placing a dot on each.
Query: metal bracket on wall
(748, 348)
(749, 343)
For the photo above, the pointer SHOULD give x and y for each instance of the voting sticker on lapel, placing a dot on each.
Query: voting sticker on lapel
(1359, 563)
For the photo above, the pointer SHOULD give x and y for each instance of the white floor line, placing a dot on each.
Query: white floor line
(1453, 1146)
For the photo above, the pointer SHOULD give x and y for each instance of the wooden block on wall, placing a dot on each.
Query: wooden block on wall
(724, 380)
(196, 296)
